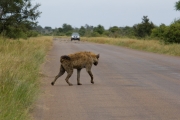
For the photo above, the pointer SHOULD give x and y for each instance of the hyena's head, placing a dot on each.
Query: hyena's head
(95, 59)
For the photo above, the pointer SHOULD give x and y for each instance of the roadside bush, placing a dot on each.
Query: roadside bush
(17, 33)
(12, 32)
(32, 33)
(172, 34)
(68, 33)
(159, 32)
(95, 34)
(168, 34)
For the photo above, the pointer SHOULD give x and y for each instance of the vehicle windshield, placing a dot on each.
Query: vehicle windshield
(75, 34)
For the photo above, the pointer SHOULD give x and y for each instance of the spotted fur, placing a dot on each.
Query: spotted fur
(77, 61)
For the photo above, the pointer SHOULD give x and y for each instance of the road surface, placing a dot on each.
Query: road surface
(129, 85)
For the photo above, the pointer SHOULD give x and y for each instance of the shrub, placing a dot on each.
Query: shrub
(159, 32)
(15, 33)
(95, 34)
(32, 33)
(172, 34)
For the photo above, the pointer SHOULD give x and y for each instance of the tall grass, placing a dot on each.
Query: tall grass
(20, 61)
(145, 45)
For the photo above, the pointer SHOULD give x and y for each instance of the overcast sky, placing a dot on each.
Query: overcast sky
(108, 13)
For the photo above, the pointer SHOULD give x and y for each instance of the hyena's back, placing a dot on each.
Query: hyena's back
(78, 60)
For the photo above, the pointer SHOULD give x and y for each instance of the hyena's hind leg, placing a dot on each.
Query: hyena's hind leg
(61, 72)
(69, 73)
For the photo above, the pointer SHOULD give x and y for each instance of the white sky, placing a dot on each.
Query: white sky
(107, 13)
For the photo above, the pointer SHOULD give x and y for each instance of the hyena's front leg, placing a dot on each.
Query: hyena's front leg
(78, 77)
(90, 73)
(61, 72)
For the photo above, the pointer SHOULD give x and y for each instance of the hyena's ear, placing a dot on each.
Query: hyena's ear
(98, 56)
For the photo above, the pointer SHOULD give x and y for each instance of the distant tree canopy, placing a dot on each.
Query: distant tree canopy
(82, 31)
(158, 32)
(144, 28)
(127, 31)
(177, 5)
(66, 29)
(114, 31)
(18, 17)
(99, 29)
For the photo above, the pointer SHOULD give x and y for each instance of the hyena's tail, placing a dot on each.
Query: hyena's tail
(64, 57)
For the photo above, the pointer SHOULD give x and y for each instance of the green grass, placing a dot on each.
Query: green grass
(145, 45)
(20, 62)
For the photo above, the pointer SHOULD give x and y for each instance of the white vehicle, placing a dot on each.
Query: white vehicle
(75, 36)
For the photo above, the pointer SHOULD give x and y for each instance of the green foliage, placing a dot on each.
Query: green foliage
(114, 31)
(32, 33)
(95, 34)
(159, 32)
(89, 30)
(82, 31)
(17, 17)
(172, 34)
(13, 32)
(127, 31)
(168, 34)
(66, 29)
(177, 5)
(99, 29)
(68, 33)
(144, 28)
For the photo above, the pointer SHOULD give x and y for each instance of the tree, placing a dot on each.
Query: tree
(172, 34)
(127, 31)
(114, 31)
(82, 31)
(159, 32)
(89, 30)
(17, 17)
(99, 29)
(144, 28)
(177, 5)
(67, 29)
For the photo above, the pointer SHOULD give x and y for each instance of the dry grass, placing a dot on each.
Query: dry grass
(145, 45)
(20, 61)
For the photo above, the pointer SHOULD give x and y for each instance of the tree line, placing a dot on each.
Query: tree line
(19, 20)
(144, 30)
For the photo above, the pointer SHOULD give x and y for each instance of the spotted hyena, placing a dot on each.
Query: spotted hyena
(77, 61)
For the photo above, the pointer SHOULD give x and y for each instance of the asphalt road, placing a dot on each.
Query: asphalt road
(129, 85)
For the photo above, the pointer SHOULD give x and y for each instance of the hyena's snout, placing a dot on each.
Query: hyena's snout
(95, 63)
